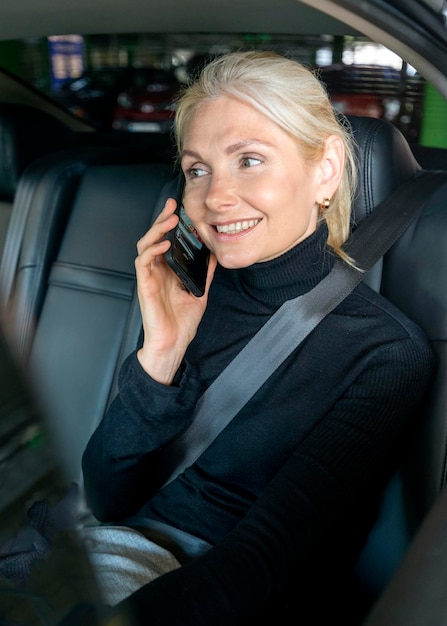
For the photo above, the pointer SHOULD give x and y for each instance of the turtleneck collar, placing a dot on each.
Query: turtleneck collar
(293, 273)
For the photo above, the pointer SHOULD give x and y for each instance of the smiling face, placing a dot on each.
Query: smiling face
(248, 191)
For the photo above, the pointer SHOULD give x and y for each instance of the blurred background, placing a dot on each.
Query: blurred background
(129, 82)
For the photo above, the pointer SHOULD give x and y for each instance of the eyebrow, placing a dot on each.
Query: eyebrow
(231, 149)
(244, 144)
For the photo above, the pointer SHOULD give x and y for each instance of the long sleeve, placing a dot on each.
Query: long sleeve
(120, 461)
(319, 490)
(297, 471)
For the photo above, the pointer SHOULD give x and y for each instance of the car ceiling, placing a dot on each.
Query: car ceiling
(26, 18)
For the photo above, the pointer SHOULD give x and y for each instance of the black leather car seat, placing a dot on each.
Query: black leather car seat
(72, 294)
(42, 207)
(409, 275)
(26, 134)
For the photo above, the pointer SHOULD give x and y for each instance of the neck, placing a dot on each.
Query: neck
(291, 274)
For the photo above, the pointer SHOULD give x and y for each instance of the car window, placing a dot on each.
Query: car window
(130, 82)
(380, 91)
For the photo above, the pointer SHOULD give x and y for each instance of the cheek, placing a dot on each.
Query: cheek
(265, 195)
(293, 209)
(281, 200)
(194, 204)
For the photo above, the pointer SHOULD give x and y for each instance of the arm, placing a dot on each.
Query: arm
(120, 461)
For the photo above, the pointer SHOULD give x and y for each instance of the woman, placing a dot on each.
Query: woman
(269, 177)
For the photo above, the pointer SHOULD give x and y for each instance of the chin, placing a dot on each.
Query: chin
(235, 264)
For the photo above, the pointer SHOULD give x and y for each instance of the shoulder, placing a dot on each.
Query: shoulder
(368, 331)
(372, 310)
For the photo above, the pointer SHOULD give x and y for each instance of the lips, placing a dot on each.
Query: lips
(236, 227)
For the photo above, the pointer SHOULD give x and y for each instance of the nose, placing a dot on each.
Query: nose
(221, 192)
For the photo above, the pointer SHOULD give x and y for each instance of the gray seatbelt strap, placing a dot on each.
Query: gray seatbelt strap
(294, 320)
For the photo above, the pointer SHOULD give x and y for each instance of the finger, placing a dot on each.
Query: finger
(165, 222)
(168, 209)
(151, 255)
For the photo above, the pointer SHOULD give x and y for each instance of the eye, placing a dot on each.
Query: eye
(247, 161)
(195, 172)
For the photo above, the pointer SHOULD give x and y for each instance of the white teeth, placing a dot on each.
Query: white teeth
(237, 227)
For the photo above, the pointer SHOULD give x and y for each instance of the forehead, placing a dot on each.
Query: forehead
(230, 120)
(224, 110)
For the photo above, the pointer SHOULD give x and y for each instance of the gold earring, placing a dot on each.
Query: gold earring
(325, 205)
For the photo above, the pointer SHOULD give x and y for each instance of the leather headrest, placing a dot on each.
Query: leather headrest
(26, 134)
(385, 161)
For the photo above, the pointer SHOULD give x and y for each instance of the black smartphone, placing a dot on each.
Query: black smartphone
(188, 256)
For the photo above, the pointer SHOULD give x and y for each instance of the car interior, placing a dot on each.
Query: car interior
(73, 204)
(68, 264)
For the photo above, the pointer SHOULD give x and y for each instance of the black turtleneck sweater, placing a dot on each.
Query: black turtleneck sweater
(317, 437)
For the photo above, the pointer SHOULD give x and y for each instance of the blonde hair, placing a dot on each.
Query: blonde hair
(292, 97)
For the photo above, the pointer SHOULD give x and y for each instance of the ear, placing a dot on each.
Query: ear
(330, 168)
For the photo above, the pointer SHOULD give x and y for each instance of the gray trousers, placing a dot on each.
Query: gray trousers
(123, 560)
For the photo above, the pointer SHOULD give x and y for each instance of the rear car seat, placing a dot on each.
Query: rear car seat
(87, 317)
(25, 135)
(72, 297)
(44, 200)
